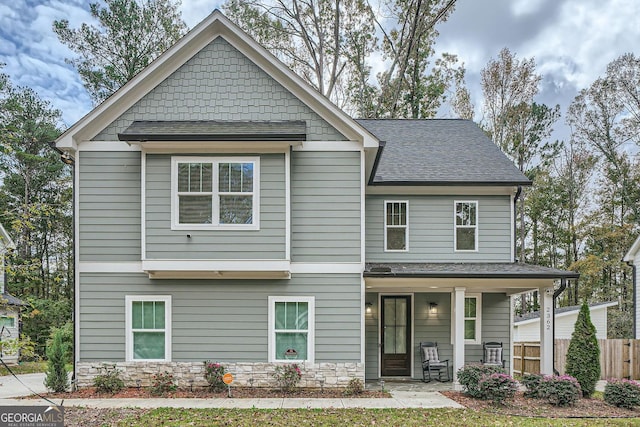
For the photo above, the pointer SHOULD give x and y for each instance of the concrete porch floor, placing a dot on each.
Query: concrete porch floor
(393, 385)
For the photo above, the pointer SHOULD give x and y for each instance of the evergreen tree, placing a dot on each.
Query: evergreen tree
(57, 378)
(583, 356)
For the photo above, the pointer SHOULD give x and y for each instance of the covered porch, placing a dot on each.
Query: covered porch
(458, 305)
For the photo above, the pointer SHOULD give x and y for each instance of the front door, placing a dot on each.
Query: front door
(396, 336)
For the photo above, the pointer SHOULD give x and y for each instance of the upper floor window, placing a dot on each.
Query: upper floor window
(215, 192)
(396, 226)
(466, 226)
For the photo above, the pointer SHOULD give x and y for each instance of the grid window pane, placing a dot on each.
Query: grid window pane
(292, 315)
(470, 307)
(235, 177)
(195, 177)
(147, 315)
(195, 209)
(148, 345)
(396, 213)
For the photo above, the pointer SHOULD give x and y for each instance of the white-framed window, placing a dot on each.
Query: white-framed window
(7, 322)
(148, 327)
(215, 192)
(466, 225)
(396, 226)
(472, 318)
(291, 328)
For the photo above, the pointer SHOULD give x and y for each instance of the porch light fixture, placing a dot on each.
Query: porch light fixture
(368, 306)
(433, 308)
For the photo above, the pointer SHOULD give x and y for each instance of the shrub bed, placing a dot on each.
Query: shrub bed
(622, 393)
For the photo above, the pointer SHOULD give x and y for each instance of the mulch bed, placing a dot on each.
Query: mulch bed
(528, 407)
(202, 393)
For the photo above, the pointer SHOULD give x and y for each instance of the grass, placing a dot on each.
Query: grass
(25, 368)
(350, 417)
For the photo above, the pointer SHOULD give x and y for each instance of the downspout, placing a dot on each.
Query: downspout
(68, 160)
(556, 294)
(515, 221)
(635, 297)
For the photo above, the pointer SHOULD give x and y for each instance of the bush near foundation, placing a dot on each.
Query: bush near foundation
(622, 393)
(469, 376)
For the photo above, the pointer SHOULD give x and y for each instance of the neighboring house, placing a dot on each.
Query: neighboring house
(227, 211)
(633, 259)
(9, 305)
(527, 327)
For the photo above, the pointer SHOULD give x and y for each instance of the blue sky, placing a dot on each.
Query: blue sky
(572, 41)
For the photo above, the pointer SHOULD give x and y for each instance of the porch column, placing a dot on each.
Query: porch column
(546, 330)
(458, 333)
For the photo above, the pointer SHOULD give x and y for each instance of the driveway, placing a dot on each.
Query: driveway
(12, 387)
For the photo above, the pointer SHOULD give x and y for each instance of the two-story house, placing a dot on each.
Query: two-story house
(227, 211)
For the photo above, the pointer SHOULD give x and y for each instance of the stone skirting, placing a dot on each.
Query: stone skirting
(191, 374)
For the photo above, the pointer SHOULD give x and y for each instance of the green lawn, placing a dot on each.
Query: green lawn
(350, 417)
(25, 368)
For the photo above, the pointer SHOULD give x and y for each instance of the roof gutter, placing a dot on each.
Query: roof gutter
(515, 228)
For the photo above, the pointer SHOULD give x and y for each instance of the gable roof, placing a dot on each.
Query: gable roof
(439, 152)
(5, 240)
(215, 25)
(633, 251)
(562, 311)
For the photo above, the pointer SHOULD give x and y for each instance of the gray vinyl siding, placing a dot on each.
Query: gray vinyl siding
(109, 204)
(431, 229)
(266, 243)
(437, 327)
(220, 83)
(220, 320)
(325, 206)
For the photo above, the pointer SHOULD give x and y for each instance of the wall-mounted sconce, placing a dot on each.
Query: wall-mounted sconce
(368, 306)
(433, 308)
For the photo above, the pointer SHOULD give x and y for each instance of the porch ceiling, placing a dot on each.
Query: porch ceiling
(510, 278)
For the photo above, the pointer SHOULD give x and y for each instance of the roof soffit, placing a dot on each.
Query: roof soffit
(215, 25)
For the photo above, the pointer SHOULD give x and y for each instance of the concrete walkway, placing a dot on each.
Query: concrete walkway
(408, 394)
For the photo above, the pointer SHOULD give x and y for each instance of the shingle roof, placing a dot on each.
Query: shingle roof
(439, 152)
(11, 300)
(215, 130)
(497, 270)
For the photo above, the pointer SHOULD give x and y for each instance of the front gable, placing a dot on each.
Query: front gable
(220, 83)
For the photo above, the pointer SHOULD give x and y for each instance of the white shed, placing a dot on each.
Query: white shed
(527, 327)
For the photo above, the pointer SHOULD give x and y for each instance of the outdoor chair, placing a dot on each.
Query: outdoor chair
(432, 366)
(492, 352)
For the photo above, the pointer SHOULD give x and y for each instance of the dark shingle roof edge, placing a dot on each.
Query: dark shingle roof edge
(11, 300)
(510, 270)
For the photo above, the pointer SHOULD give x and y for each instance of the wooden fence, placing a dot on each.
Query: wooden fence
(618, 358)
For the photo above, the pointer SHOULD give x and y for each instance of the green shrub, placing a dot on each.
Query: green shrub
(497, 387)
(532, 383)
(57, 378)
(108, 381)
(623, 393)
(162, 383)
(561, 390)
(354, 387)
(287, 377)
(583, 355)
(213, 373)
(469, 376)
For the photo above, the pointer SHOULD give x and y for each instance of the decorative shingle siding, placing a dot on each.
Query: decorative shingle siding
(220, 83)
(109, 193)
(325, 206)
(431, 230)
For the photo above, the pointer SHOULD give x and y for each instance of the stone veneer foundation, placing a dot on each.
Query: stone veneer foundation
(191, 374)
